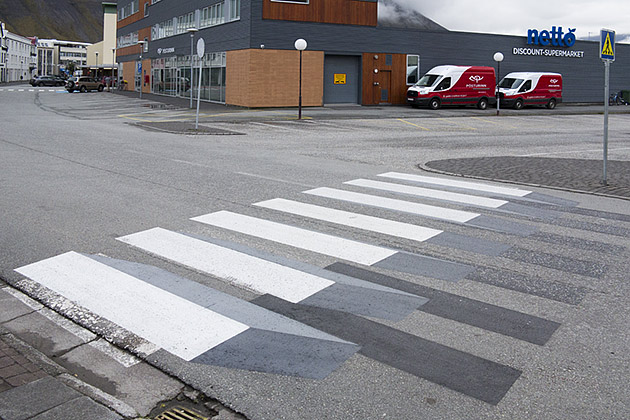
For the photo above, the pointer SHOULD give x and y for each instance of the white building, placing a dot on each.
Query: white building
(17, 57)
(55, 56)
(3, 54)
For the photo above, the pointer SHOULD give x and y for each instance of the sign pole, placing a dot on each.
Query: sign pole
(606, 104)
(607, 54)
(201, 50)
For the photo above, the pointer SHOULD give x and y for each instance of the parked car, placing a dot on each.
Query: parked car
(84, 84)
(47, 81)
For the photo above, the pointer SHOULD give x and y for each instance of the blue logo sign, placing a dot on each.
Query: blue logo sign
(556, 37)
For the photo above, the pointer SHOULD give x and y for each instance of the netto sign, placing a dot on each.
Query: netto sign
(556, 37)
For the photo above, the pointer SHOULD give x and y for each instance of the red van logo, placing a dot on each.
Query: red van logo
(553, 80)
(476, 79)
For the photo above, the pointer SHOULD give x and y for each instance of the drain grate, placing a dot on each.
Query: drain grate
(180, 413)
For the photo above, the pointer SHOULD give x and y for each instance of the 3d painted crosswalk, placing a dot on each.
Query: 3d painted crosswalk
(334, 246)
(426, 210)
(478, 188)
(306, 320)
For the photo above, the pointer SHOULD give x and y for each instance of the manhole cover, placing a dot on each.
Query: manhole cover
(180, 413)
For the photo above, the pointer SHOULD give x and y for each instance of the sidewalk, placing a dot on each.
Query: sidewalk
(32, 386)
(52, 369)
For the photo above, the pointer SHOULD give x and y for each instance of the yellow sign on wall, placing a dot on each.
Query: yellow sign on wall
(340, 79)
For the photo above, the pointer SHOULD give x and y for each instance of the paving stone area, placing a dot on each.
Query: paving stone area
(15, 369)
(573, 174)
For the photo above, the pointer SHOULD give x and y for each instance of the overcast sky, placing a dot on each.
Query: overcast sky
(515, 17)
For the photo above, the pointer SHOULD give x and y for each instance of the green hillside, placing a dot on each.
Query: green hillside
(72, 20)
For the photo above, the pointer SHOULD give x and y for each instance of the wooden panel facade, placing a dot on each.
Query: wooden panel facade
(391, 76)
(270, 78)
(343, 12)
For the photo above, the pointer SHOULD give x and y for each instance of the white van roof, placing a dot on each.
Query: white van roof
(531, 75)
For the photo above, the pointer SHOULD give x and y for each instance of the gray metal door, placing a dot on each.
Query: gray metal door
(342, 81)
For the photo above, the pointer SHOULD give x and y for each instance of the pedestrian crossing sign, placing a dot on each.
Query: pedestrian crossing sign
(607, 45)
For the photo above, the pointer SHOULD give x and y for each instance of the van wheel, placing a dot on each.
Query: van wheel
(101, 88)
(434, 103)
(83, 89)
(518, 104)
(551, 104)
(482, 104)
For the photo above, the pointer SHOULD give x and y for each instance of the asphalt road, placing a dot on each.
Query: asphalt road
(476, 304)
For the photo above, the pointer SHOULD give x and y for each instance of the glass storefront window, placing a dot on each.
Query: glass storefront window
(172, 77)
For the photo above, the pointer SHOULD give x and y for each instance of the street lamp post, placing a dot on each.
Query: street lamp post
(191, 31)
(111, 82)
(96, 70)
(498, 57)
(141, 43)
(300, 45)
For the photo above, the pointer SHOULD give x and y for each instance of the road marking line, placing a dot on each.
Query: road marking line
(425, 210)
(458, 184)
(321, 243)
(284, 181)
(415, 125)
(359, 221)
(253, 273)
(429, 193)
(169, 321)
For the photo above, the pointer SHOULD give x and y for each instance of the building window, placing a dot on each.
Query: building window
(213, 15)
(129, 9)
(185, 21)
(235, 9)
(413, 69)
(146, 9)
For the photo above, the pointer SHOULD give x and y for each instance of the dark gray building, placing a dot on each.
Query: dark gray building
(251, 60)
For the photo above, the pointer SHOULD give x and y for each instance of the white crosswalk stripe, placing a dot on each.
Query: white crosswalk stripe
(250, 272)
(429, 193)
(425, 210)
(474, 186)
(359, 221)
(135, 305)
(301, 238)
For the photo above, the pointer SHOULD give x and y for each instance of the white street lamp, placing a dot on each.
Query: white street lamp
(141, 43)
(191, 31)
(498, 57)
(96, 70)
(300, 45)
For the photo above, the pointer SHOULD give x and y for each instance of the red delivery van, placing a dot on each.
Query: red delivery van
(454, 85)
(523, 88)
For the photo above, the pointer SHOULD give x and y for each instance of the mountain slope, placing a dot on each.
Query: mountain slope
(72, 20)
(394, 14)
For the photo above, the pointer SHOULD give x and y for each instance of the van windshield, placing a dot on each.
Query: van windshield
(428, 80)
(510, 83)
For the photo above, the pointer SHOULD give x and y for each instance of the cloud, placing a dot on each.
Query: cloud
(514, 18)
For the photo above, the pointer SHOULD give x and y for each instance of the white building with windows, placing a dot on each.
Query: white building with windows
(54, 56)
(17, 57)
